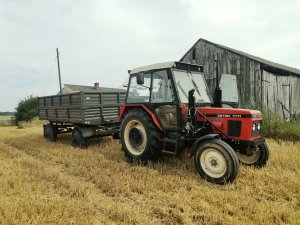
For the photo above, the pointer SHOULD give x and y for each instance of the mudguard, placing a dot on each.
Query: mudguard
(125, 107)
(201, 139)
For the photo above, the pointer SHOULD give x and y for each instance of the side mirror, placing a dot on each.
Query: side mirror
(140, 78)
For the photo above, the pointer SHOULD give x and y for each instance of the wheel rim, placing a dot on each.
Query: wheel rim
(213, 163)
(135, 137)
(249, 159)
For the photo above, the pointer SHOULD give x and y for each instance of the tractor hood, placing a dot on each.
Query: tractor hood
(230, 112)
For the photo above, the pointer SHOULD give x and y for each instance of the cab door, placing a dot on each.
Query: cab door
(163, 99)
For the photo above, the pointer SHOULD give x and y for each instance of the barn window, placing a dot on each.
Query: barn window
(194, 54)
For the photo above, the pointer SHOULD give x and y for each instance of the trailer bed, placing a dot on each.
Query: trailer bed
(90, 108)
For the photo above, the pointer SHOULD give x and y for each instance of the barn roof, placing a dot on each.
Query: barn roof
(266, 64)
(76, 88)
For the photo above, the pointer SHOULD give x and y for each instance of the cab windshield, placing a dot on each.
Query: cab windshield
(185, 81)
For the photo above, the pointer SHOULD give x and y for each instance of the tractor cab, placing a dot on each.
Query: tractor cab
(163, 88)
(168, 107)
(167, 82)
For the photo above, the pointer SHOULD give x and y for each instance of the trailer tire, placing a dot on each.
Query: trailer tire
(50, 132)
(140, 138)
(216, 161)
(258, 158)
(77, 139)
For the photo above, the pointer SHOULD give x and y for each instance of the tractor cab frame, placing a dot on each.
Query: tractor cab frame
(163, 88)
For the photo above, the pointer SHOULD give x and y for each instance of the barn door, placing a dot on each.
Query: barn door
(276, 94)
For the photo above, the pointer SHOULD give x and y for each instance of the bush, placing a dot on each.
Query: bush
(26, 110)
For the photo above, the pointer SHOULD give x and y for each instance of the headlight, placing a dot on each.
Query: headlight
(258, 126)
(253, 127)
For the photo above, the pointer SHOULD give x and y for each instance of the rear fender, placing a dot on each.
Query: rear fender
(201, 139)
(128, 107)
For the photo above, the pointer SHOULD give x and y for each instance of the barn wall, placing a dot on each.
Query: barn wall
(281, 93)
(276, 93)
(247, 71)
(295, 94)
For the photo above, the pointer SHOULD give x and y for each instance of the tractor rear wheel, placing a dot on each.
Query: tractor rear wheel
(216, 161)
(50, 132)
(140, 138)
(258, 158)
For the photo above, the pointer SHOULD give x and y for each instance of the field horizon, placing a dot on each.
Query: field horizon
(54, 183)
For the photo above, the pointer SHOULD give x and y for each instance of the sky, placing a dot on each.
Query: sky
(100, 40)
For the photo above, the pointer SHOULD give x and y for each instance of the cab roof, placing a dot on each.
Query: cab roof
(165, 65)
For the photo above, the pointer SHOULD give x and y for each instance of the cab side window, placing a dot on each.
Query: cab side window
(161, 88)
(139, 93)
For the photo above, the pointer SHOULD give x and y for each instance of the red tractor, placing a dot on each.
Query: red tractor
(168, 108)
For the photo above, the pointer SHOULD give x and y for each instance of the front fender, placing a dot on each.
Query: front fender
(127, 107)
(201, 139)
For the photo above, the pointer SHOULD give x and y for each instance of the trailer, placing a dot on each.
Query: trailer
(85, 114)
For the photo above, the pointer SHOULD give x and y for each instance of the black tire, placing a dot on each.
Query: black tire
(50, 132)
(77, 139)
(258, 158)
(216, 161)
(140, 138)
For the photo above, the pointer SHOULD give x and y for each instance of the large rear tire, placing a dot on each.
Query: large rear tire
(258, 158)
(140, 138)
(216, 161)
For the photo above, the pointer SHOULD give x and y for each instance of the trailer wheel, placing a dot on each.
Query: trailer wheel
(77, 139)
(216, 161)
(50, 132)
(258, 158)
(140, 138)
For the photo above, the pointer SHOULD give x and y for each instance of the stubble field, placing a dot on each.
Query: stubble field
(53, 183)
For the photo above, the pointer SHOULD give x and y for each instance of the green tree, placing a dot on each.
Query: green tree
(27, 109)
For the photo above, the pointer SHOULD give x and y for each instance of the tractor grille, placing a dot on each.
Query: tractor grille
(234, 128)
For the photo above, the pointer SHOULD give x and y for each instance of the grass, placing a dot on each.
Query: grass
(54, 183)
(280, 129)
(275, 127)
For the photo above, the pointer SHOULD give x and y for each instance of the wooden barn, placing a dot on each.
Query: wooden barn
(274, 85)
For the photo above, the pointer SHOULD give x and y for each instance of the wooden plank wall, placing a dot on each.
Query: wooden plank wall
(295, 94)
(280, 93)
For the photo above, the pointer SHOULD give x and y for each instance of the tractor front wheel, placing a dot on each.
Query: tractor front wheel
(140, 138)
(216, 161)
(258, 158)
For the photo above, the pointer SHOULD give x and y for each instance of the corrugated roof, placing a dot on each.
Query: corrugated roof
(266, 63)
(77, 88)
